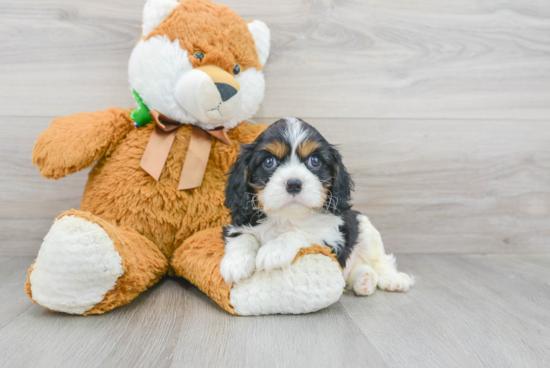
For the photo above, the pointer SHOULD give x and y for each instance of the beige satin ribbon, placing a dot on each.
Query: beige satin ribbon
(162, 137)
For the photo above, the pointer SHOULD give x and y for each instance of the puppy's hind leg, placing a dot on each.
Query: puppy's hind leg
(363, 279)
(370, 250)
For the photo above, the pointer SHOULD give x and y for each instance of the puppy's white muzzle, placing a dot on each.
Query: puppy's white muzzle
(209, 94)
(277, 200)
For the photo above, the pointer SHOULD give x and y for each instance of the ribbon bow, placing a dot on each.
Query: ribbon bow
(160, 143)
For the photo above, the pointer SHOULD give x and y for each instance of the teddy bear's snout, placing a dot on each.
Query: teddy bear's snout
(226, 91)
(209, 93)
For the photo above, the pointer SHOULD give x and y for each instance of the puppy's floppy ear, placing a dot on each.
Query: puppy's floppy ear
(342, 184)
(238, 196)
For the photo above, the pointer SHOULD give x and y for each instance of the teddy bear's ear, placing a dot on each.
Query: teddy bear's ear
(154, 13)
(262, 37)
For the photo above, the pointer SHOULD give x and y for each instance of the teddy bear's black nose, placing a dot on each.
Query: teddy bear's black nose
(226, 91)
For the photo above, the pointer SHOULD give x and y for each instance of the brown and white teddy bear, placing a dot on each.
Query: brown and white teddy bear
(158, 178)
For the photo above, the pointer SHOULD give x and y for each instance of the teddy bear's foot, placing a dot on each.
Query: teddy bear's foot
(76, 266)
(88, 266)
(313, 282)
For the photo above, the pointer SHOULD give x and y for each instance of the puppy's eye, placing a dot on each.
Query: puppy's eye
(270, 163)
(314, 162)
(236, 69)
(199, 55)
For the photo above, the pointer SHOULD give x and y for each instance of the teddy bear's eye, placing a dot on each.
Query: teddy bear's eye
(199, 55)
(236, 69)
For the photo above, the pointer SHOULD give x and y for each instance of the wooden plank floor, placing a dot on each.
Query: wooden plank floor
(465, 311)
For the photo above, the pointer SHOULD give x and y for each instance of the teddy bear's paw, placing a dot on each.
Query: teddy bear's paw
(238, 265)
(313, 282)
(76, 266)
(395, 281)
(365, 281)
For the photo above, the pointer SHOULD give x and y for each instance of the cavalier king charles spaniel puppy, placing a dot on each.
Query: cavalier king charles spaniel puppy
(289, 190)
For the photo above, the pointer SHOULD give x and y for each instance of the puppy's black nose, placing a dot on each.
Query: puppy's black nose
(293, 186)
(226, 91)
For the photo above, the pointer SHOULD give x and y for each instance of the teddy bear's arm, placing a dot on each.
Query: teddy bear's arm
(74, 142)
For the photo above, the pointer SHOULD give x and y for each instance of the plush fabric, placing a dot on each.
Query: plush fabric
(129, 225)
(214, 30)
(133, 208)
(198, 260)
(154, 13)
(313, 282)
(119, 191)
(164, 62)
(76, 266)
(317, 249)
(262, 37)
(142, 262)
(72, 143)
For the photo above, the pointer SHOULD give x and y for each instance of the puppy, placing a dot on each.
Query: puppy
(289, 190)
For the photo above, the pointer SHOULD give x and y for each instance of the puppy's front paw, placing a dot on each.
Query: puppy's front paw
(238, 265)
(274, 255)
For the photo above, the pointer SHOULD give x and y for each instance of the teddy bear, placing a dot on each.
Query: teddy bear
(153, 203)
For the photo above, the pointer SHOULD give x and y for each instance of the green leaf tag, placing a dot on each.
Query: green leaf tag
(141, 115)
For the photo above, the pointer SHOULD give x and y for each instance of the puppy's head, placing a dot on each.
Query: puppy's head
(290, 170)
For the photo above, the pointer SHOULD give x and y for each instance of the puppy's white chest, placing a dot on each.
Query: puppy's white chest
(317, 228)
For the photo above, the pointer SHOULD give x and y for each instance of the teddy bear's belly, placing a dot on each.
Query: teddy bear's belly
(120, 191)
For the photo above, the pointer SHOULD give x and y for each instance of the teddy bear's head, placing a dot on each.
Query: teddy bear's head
(200, 63)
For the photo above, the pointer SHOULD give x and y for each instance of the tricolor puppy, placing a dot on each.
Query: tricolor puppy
(289, 190)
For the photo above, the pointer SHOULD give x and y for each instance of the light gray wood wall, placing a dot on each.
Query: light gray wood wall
(442, 108)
